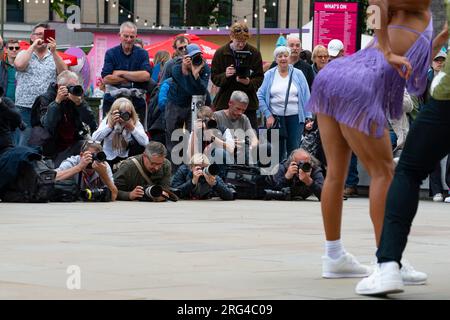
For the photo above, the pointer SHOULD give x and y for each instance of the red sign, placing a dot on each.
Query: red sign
(336, 20)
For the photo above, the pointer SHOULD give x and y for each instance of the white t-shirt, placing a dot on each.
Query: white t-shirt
(278, 96)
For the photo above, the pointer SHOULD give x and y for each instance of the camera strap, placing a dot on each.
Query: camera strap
(286, 100)
(141, 170)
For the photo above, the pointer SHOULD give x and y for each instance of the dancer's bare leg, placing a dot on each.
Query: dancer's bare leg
(337, 153)
(376, 156)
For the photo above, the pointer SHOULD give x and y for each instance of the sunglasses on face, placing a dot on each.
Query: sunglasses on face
(182, 48)
(13, 48)
(239, 30)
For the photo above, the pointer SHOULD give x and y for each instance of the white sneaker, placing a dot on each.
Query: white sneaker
(438, 197)
(410, 276)
(447, 200)
(345, 267)
(383, 282)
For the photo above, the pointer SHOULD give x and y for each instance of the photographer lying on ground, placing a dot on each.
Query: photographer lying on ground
(137, 174)
(301, 173)
(91, 172)
(200, 180)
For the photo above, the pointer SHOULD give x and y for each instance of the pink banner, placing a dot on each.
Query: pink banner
(336, 20)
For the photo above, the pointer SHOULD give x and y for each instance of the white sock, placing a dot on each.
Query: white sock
(391, 265)
(334, 249)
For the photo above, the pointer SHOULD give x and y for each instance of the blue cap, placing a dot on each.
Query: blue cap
(193, 49)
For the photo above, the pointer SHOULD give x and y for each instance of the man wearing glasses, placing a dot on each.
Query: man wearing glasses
(226, 73)
(179, 45)
(7, 70)
(37, 67)
(89, 171)
(126, 71)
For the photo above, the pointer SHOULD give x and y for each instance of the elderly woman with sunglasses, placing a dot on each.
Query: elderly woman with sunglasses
(282, 99)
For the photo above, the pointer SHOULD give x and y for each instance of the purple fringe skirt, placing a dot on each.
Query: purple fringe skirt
(360, 90)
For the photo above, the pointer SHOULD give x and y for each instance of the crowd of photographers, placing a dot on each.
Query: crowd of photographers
(147, 145)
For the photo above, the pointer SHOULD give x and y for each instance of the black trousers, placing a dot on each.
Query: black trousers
(418, 159)
(436, 176)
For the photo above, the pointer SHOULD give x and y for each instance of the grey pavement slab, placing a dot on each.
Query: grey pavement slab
(200, 250)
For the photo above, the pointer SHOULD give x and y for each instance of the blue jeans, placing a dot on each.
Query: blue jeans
(352, 178)
(25, 113)
(294, 131)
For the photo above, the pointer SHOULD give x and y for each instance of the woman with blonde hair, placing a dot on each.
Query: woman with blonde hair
(122, 133)
(320, 58)
(161, 57)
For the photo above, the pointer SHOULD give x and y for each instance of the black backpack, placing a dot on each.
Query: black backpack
(247, 181)
(35, 183)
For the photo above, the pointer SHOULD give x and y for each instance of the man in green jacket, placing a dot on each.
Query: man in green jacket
(229, 76)
(156, 170)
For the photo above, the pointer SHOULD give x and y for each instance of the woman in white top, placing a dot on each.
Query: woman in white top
(121, 132)
(282, 98)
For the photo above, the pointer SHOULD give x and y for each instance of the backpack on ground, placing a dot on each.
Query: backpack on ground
(247, 181)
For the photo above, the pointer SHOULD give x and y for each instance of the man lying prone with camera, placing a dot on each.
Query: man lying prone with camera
(298, 176)
(91, 172)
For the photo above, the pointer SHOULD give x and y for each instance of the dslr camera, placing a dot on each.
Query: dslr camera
(96, 195)
(211, 170)
(75, 90)
(242, 61)
(284, 194)
(124, 115)
(99, 156)
(210, 123)
(197, 59)
(304, 166)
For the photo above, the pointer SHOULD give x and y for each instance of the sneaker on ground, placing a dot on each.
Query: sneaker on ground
(384, 282)
(345, 267)
(438, 197)
(447, 200)
(410, 276)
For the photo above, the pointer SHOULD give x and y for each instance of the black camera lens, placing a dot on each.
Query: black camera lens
(197, 59)
(96, 195)
(99, 156)
(284, 194)
(75, 90)
(153, 192)
(210, 124)
(305, 166)
(125, 116)
(212, 170)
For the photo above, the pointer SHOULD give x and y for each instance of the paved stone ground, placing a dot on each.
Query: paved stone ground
(199, 250)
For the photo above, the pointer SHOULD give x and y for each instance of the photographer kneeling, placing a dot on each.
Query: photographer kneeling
(200, 180)
(91, 172)
(301, 174)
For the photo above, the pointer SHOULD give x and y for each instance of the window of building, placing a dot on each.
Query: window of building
(271, 20)
(177, 13)
(14, 11)
(225, 13)
(126, 11)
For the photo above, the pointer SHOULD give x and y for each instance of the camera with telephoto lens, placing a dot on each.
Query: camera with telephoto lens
(76, 90)
(242, 61)
(211, 170)
(284, 194)
(125, 116)
(96, 195)
(304, 166)
(152, 192)
(197, 59)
